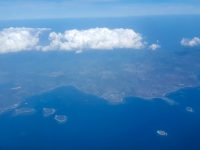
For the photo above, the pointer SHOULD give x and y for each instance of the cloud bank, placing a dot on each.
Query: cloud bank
(95, 38)
(19, 39)
(23, 39)
(190, 42)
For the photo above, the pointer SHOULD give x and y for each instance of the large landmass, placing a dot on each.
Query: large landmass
(111, 75)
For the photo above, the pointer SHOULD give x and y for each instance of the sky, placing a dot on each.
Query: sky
(45, 9)
(17, 39)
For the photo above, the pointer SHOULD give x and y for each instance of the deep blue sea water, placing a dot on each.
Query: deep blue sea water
(95, 124)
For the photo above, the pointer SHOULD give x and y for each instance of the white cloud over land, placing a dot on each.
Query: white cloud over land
(19, 39)
(95, 38)
(26, 39)
(154, 46)
(23, 39)
(190, 42)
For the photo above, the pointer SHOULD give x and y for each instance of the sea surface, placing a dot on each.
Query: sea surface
(94, 123)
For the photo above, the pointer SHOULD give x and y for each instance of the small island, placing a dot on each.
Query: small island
(24, 111)
(48, 112)
(161, 132)
(189, 109)
(61, 118)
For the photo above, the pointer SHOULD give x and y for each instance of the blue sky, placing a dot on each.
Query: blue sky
(39, 9)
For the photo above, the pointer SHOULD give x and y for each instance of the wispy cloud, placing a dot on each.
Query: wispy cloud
(40, 9)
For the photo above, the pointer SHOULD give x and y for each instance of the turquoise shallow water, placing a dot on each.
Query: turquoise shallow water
(95, 124)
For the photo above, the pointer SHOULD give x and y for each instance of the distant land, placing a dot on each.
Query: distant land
(110, 75)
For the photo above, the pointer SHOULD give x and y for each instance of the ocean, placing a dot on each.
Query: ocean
(96, 124)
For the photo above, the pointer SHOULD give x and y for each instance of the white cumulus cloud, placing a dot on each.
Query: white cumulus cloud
(23, 39)
(19, 39)
(154, 46)
(94, 38)
(190, 42)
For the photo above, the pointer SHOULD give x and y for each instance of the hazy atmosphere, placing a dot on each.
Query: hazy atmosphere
(99, 74)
